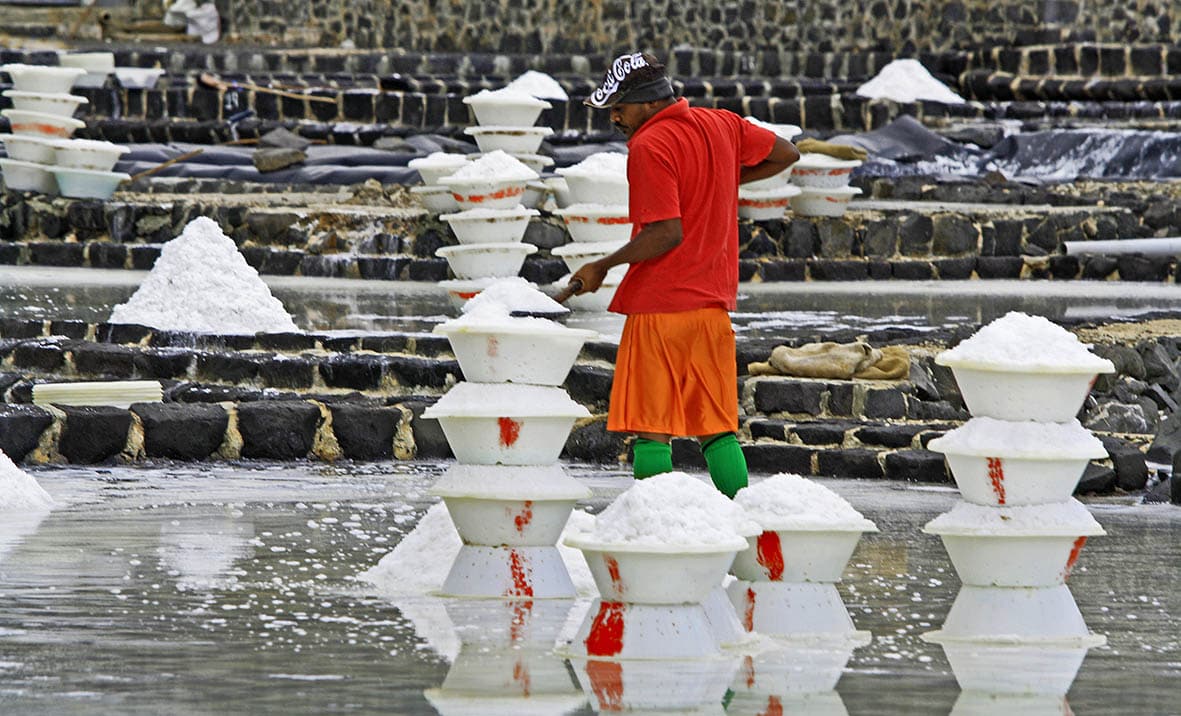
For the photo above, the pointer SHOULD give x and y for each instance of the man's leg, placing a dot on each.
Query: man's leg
(652, 454)
(727, 464)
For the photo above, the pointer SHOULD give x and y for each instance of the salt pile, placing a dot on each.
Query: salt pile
(507, 95)
(1018, 340)
(672, 511)
(1068, 518)
(987, 437)
(496, 165)
(600, 164)
(18, 490)
(201, 283)
(538, 84)
(787, 131)
(908, 81)
(514, 294)
(786, 501)
(494, 316)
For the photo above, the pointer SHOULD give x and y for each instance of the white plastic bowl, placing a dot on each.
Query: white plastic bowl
(536, 162)
(596, 188)
(62, 105)
(1006, 394)
(775, 181)
(103, 62)
(491, 423)
(88, 184)
(42, 124)
(791, 609)
(1015, 614)
(435, 199)
(485, 194)
(460, 291)
(490, 226)
(138, 77)
(508, 522)
(512, 354)
(765, 204)
(817, 171)
(796, 555)
(494, 109)
(511, 139)
(504, 482)
(482, 571)
(1013, 561)
(88, 154)
(436, 166)
(824, 202)
(42, 78)
(654, 575)
(561, 191)
(496, 260)
(30, 148)
(28, 176)
(535, 194)
(595, 223)
(996, 480)
(576, 255)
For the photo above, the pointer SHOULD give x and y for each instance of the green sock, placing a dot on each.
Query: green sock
(650, 457)
(727, 464)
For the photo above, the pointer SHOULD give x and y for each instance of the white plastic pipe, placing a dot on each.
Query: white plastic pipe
(1170, 246)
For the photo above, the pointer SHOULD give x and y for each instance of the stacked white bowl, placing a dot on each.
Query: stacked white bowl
(824, 185)
(41, 155)
(768, 198)
(1014, 626)
(595, 210)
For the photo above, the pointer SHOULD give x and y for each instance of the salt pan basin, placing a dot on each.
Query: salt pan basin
(505, 109)
(485, 193)
(88, 154)
(500, 423)
(609, 189)
(823, 202)
(511, 139)
(820, 171)
(41, 124)
(499, 260)
(435, 199)
(597, 223)
(515, 350)
(42, 78)
(1014, 393)
(60, 104)
(765, 204)
(990, 471)
(28, 176)
(29, 148)
(1009, 667)
(655, 574)
(88, 184)
(797, 555)
(490, 226)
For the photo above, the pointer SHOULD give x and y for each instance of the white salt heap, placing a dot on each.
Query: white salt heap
(988, 437)
(787, 501)
(1068, 519)
(514, 294)
(672, 510)
(201, 283)
(538, 84)
(787, 131)
(18, 490)
(497, 165)
(1020, 341)
(600, 164)
(439, 159)
(908, 81)
(495, 316)
(506, 95)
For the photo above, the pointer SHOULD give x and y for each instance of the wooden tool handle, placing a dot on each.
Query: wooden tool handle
(162, 165)
(572, 288)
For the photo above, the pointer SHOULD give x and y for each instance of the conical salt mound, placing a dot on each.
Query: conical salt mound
(18, 490)
(202, 283)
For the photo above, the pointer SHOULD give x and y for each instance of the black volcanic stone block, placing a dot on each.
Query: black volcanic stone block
(890, 436)
(589, 384)
(93, 433)
(105, 360)
(783, 270)
(821, 433)
(916, 466)
(20, 429)
(789, 396)
(227, 368)
(415, 371)
(1135, 267)
(288, 373)
(38, 356)
(163, 364)
(143, 258)
(285, 341)
(69, 329)
(590, 442)
(768, 428)
(955, 269)
(277, 430)
(56, 253)
(428, 270)
(365, 432)
(771, 458)
(358, 372)
(429, 440)
(182, 431)
(836, 270)
(852, 462)
(393, 343)
(21, 328)
(999, 266)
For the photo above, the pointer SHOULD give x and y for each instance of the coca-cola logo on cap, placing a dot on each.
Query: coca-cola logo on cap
(620, 69)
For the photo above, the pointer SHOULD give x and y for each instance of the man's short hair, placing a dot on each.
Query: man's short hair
(632, 78)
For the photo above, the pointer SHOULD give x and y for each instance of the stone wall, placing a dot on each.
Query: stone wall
(607, 26)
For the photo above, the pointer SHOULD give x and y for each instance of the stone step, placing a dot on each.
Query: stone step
(987, 86)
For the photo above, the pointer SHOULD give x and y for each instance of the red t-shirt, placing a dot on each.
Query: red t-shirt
(685, 163)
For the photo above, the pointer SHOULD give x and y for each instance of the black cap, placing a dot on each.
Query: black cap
(633, 78)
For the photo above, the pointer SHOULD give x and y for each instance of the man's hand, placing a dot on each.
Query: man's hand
(591, 275)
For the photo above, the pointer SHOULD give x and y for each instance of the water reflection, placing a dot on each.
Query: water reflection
(657, 686)
(794, 675)
(199, 551)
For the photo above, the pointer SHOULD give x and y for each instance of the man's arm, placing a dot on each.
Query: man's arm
(782, 156)
(654, 240)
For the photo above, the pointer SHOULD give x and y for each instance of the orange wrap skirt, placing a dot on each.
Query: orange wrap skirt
(676, 374)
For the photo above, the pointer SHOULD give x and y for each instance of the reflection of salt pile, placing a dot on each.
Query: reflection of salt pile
(201, 550)
(23, 505)
(202, 283)
(1014, 626)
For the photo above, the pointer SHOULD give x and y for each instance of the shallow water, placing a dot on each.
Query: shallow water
(231, 589)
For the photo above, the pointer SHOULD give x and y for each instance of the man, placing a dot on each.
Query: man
(676, 370)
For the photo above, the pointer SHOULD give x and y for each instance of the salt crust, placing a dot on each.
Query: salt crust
(201, 283)
(1061, 519)
(516, 212)
(18, 489)
(815, 160)
(670, 511)
(1018, 340)
(787, 501)
(497, 165)
(612, 165)
(440, 159)
(494, 400)
(539, 85)
(1028, 439)
(908, 81)
(514, 294)
(507, 95)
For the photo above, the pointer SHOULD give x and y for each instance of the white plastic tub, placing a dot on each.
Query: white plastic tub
(1028, 394)
(30, 148)
(578, 254)
(495, 260)
(486, 572)
(596, 223)
(514, 140)
(88, 184)
(42, 124)
(652, 575)
(515, 354)
(609, 189)
(1014, 481)
(484, 193)
(505, 109)
(460, 290)
(88, 154)
(508, 522)
(765, 204)
(561, 191)
(28, 176)
(823, 202)
(42, 78)
(103, 62)
(62, 105)
(435, 199)
(535, 194)
(435, 166)
(490, 226)
(796, 555)
(775, 181)
(820, 171)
